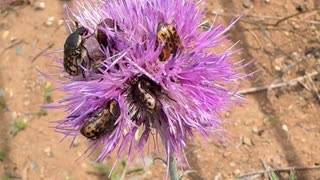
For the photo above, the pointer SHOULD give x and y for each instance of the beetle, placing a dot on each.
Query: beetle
(103, 122)
(107, 42)
(144, 93)
(102, 38)
(167, 34)
(75, 52)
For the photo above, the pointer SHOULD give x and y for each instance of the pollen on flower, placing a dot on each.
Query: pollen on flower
(146, 64)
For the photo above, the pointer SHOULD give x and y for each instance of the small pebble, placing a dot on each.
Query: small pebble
(48, 151)
(68, 178)
(39, 6)
(226, 154)
(218, 176)
(285, 128)
(295, 25)
(236, 172)
(26, 103)
(13, 39)
(25, 120)
(75, 143)
(217, 11)
(295, 55)
(255, 130)
(60, 22)
(19, 51)
(279, 63)
(232, 164)
(5, 34)
(79, 154)
(287, 33)
(14, 115)
(246, 141)
(277, 68)
(34, 165)
(247, 3)
(267, 1)
(49, 21)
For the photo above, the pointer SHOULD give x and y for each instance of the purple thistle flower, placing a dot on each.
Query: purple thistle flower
(173, 92)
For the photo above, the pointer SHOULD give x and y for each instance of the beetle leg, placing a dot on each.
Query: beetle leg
(87, 52)
(82, 72)
(80, 68)
(84, 39)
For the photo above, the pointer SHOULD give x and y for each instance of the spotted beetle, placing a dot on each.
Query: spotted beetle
(102, 38)
(167, 34)
(75, 52)
(144, 93)
(107, 42)
(103, 122)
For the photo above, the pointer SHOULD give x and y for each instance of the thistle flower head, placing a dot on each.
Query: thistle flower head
(149, 67)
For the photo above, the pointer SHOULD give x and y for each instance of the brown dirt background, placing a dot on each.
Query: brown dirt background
(37, 153)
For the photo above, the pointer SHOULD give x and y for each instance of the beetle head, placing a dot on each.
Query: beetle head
(82, 31)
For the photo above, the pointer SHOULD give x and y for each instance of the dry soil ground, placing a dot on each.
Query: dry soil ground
(280, 127)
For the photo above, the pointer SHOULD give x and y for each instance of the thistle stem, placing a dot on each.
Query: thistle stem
(173, 168)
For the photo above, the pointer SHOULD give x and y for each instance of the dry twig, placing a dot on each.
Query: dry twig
(314, 87)
(42, 52)
(286, 169)
(186, 173)
(292, 82)
(162, 160)
(256, 38)
(12, 45)
(293, 15)
(247, 18)
(262, 29)
(266, 168)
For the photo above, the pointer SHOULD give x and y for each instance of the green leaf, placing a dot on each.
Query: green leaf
(42, 112)
(272, 119)
(2, 154)
(17, 126)
(292, 175)
(3, 104)
(102, 168)
(134, 170)
(274, 176)
(6, 176)
(47, 92)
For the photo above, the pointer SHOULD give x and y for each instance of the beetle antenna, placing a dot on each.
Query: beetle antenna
(77, 24)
